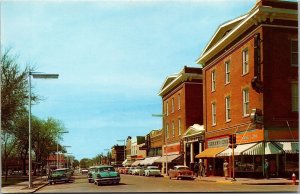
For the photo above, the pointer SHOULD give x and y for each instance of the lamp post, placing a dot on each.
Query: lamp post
(61, 154)
(35, 75)
(123, 140)
(166, 142)
(57, 147)
(68, 158)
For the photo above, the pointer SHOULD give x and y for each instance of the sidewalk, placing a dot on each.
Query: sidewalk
(247, 181)
(22, 187)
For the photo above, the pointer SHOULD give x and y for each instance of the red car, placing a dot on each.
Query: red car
(181, 172)
(125, 171)
(121, 170)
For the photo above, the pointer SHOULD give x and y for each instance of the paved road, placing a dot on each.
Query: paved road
(130, 183)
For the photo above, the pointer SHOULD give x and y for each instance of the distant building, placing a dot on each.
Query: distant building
(250, 74)
(182, 107)
(117, 155)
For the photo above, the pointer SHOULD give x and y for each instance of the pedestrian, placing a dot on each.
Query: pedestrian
(225, 169)
(266, 168)
(202, 169)
(196, 169)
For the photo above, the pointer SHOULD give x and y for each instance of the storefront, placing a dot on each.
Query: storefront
(171, 156)
(193, 140)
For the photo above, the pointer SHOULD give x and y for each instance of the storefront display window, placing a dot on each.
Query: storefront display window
(292, 162)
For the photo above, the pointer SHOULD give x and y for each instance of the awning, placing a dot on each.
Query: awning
(210, 152)
(126, 163)
(169, 158)
(258, 149)
(149, 161)
(289, 147)
(136, 163)
(238, 150)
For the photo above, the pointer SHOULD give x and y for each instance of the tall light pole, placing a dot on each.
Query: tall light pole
(123, 140)
(61, 154)
(68, 158)
(57, 147)
(34, 75)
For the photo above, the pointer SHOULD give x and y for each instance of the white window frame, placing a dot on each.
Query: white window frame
(213, 114)
(179, 126)
(173, 129)
(295, 96)
(172, 105)
(245, 62)
(213, 80)
(294, 52)
(227, 72)
(246, 102)
(167, 130)
(227, 108)
(179, 102)
(167, 108)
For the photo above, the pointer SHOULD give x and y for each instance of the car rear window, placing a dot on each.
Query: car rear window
(103, 169)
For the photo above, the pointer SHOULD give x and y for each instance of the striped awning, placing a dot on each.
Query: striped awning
(168, 158)
(210, 152)
(136, 163)
(238, 150)
(149, 161)
(258, 149)
(289, 147)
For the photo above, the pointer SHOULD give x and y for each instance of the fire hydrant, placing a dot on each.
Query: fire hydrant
(294, 179)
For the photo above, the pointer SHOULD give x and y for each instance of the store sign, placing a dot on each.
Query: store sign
(249, 136)
(194, 139)
(222, 142)
(172, 149)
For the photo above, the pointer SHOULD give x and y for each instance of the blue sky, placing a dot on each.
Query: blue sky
(112, 57)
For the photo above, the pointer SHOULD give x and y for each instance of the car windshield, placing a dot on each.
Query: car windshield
(182, 168)
(103, 169)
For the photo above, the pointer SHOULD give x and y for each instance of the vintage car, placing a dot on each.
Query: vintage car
(121, 170)
(180, 172)
(90, 174)
(125, 171)
(136, 170)
(105, 174)
(142, 171)
(129, 171)
(152, 171)
(60, 175)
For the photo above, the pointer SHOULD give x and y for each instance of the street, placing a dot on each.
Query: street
(130, 183)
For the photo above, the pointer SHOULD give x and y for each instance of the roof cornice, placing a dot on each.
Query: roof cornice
(255, 16)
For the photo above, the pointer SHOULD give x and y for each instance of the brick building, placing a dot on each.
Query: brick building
(250, 74)
(117, 155)
(182, 107)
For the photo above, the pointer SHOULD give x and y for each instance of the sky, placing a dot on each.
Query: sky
(112, 58)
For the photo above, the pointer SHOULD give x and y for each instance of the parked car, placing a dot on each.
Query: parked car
(136, 170)
(152, 171)
(121, 170)
(180, 172)
(130, 170)
(60, 175)
(142, 171)
(105, 174)
(84, 171)
(125, 171)
(90, 174)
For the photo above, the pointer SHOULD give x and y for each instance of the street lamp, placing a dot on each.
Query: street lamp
(35, 75)
(61, 154)
(68, 158)
(57, 147)
(123, 140)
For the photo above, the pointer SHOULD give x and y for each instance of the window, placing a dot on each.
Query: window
(179, 126)
(245, 102)
(227, 107)
(167, 108)
(227, 72)
(172, 105)
(173, 129)
(214, 113)
(213, 80)
(178, 101)
(167, 130)
(245, 61)
(294, 52)
(295, 97)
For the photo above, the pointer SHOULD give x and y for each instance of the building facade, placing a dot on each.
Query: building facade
(117, 155)
(250, 73)
(182, 107)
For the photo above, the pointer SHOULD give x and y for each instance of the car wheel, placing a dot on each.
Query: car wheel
(169, 177)
(98, 183)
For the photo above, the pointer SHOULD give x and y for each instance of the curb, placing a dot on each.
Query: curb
(41, 186)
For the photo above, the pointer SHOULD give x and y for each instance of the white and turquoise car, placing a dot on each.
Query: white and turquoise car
(105, 175)
(152, 171)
